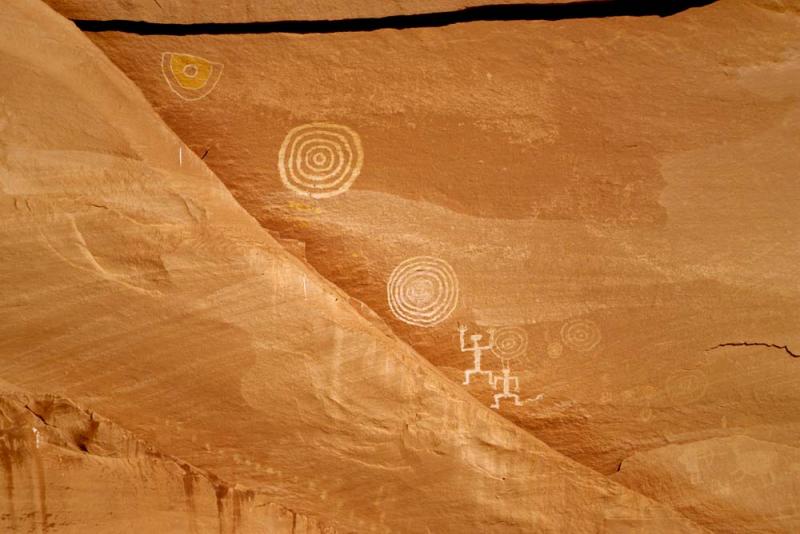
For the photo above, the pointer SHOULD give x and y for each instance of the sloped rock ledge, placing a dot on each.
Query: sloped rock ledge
(53, 452)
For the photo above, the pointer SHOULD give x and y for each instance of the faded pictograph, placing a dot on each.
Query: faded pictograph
(641, 397)
(320, 159)
(646, 412)
(477, 352)
(606, 397)
(694, 464)
(685, 387)
(510, 344)
(581, 335)
(555, 349)
(422, 291)
(188, 76)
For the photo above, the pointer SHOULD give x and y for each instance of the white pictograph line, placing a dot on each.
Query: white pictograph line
(510, 343)
(537, 398)
(582, 335)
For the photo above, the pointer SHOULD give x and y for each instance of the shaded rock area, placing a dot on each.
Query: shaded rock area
(244, 11)
(66, 469)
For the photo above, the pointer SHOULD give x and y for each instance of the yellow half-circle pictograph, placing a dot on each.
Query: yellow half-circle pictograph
(188, 76)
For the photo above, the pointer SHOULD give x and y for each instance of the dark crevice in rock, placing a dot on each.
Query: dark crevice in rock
(39, 417)
(784, 348)
(504, 12)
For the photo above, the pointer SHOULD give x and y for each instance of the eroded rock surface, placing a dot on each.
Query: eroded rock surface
(135, 285)
(621, 189)
(730, 484)
(69, 470)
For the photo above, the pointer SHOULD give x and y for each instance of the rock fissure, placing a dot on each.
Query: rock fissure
(496, 13)
(39, 417)
(784, 348)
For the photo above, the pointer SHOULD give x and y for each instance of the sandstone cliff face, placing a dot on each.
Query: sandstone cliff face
(135, 285)
(618, 194)
(735, 484)
(69, 470)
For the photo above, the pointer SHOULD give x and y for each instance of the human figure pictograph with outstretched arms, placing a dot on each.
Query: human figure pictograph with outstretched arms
(477, 352)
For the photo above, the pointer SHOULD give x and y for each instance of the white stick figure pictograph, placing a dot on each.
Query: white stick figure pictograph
(507, 379)
(477, 351)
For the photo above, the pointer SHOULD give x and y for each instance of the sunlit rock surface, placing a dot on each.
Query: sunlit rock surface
(135, 287)
(621, 189)
(609, 203)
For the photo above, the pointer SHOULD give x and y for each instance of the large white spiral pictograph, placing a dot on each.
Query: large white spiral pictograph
(423, 291)
(510, 343)
(581, 334)
(320, 159)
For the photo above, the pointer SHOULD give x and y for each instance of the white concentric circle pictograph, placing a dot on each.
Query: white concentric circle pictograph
(581, 334)
(422, 291)
(320, 159)
(510, 343)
